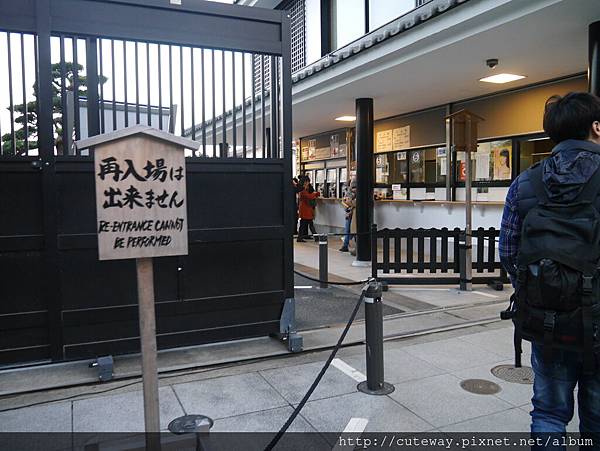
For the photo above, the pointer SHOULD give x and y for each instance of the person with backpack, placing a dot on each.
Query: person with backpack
(550, 247)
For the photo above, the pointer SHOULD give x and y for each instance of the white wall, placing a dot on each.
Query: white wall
(330, 213)
(313, 31)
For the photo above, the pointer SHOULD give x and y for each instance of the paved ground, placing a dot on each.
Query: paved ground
(426, 371)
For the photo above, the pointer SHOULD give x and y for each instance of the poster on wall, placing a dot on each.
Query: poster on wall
(312, 148)
(502, 159)
(334, 144)
(304, 154)
(401, 138)
(384, 141)
(323, 153)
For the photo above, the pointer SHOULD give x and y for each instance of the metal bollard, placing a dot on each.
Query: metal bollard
(375, 384)
(323, 262)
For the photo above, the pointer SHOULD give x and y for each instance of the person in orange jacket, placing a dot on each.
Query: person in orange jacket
(306, 211)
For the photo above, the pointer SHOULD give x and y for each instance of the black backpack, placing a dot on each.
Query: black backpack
(556, 303)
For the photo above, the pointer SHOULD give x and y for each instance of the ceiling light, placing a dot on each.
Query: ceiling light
(502, 78)
(346, 118)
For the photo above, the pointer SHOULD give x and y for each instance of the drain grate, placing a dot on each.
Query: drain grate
(508, 373)
(480, 386)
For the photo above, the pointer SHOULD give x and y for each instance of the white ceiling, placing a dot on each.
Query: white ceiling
(442, 60)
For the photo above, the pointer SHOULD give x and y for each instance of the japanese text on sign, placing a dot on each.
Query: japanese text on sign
(141, 199)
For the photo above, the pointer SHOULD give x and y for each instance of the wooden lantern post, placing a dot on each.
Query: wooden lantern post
(141, 213)
(463, 124)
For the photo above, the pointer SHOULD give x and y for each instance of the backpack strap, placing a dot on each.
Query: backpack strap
(591, 189)
(589, 363)
(518, 344)
(536, 178)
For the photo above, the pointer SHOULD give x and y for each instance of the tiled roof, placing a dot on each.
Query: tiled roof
(398, 26)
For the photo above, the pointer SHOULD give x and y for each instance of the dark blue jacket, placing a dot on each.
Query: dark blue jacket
(566, 171)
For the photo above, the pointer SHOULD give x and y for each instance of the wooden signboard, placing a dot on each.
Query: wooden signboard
(140, 199)
(142, 213)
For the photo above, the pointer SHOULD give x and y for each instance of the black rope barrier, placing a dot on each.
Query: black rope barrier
(362, 282)
(314, 385)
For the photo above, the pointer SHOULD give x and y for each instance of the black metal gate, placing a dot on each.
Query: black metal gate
(75, 68)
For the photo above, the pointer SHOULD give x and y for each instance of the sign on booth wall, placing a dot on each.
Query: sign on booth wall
(140, 199)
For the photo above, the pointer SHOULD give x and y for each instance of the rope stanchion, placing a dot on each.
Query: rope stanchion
(314, 385)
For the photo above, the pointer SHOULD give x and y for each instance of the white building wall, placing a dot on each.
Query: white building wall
(313, 31)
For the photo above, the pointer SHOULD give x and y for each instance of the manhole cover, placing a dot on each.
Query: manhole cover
(480, 386)
(190, 424)
(508, 373)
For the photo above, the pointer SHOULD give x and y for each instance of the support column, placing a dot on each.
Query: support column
(594, 59)
(364, 180)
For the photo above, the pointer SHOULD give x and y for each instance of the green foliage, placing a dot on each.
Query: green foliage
(28, 122)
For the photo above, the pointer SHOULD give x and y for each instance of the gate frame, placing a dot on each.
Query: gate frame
(199, 25)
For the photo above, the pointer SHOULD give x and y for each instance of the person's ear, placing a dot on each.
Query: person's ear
(595, 132)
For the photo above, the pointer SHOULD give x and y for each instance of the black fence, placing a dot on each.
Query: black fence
(433, 251)
(77, 68)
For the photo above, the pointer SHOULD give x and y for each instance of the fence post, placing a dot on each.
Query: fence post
(323, 263)
(375, 384)
(466, 282)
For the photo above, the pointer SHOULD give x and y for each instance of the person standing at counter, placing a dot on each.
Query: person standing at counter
(306, 210)
(349, 204)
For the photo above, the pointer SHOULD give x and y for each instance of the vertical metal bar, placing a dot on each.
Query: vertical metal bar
(24, 87)
(193, 94)
(160, 119)
(125, 105)
(224, 118)
(10, 96)
(181, 96)
(91, 57)
(254, 106)
(102, 119)
(214, 108)
(148, 83)
(457, 237)
(113, 83)
(171, 106)
(51, 275)
(203, 112)
(274, 135)
(137, 84)
(76, 118)
(262, 107)
(288, 195)
(244, 104)
(233, 112)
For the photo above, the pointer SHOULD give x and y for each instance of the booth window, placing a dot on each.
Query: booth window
(533, 150)
(391, 168)
(424, 166)
(491, 163)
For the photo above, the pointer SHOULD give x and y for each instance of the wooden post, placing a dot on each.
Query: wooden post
(145, 283)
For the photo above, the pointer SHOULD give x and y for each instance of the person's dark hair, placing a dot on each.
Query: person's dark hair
(504, 153)
(571, 116)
